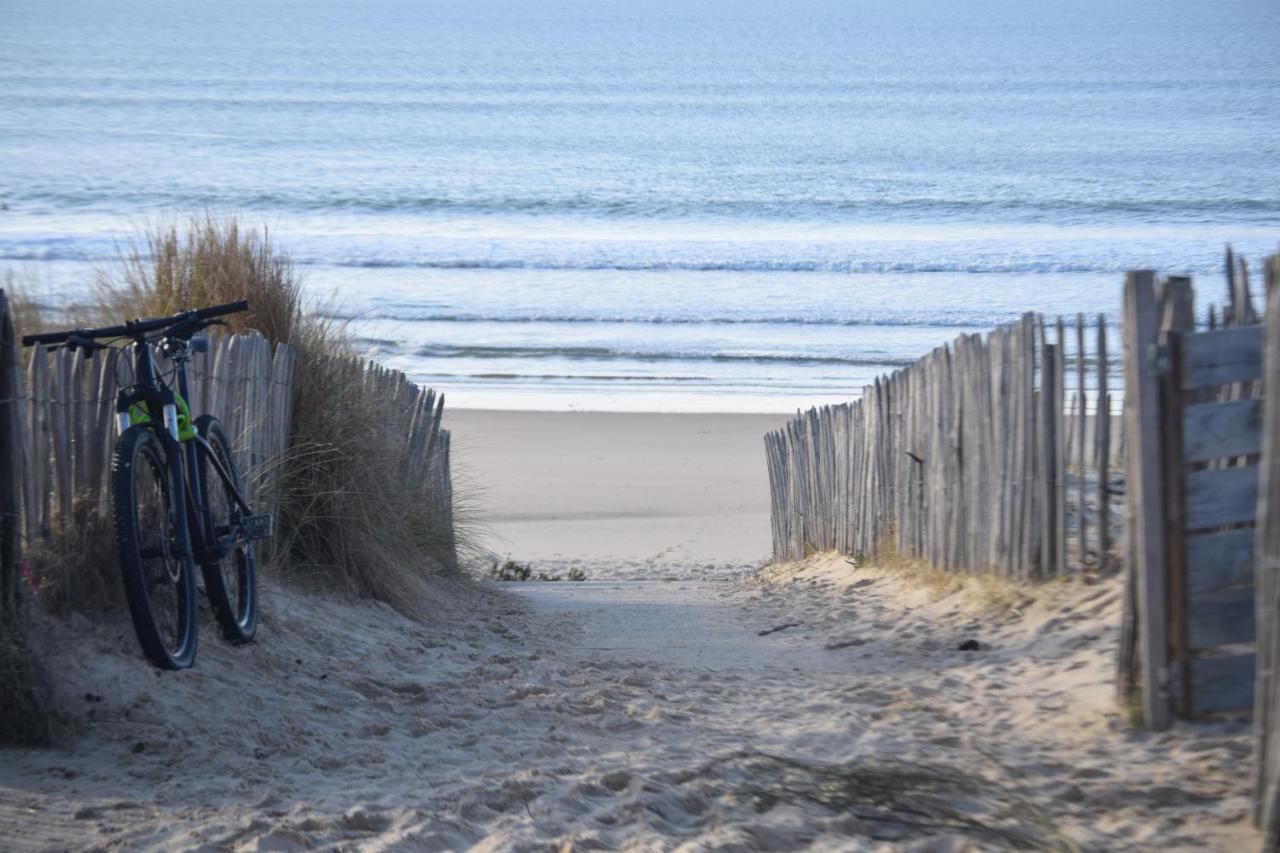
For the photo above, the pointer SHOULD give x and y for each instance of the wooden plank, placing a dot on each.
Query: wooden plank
(1048, 456)
(1241, 298)
(1217, 430)
(1219, 618)
(1177, 315)
(1218, 560)
(77, 431)
(1267, 703)
(1228, 310)
(11, 392)
(1224, 496)
(1222, 357)
(1102, 429)
(1221, 684)
(62, 451)
(40, 471)
(1082, 419)
(1146, 490)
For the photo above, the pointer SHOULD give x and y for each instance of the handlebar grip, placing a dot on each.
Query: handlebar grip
(220, 310)
(46, 338)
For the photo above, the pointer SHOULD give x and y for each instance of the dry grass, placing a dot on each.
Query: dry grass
(209, 262)
(23, 719)
(75, 567)
(347, 518)
(1000, 594)
(338, 522)
(30, 315)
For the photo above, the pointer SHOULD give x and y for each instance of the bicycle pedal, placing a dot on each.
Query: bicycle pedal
(255, 527)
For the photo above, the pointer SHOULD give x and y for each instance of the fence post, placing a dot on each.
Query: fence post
(1102, 431)
(1048, 457)
(11, 391)
(1267, 576)
(1146, 566)
(1082, 420)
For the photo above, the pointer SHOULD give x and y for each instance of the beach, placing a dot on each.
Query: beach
(822, 708)
(677, 699)
(529, 283)
(617, 495)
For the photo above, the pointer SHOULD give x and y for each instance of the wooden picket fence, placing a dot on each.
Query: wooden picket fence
(409, 410)
(1194, 421)
(978, 457)
(67, 421)
(57, 426)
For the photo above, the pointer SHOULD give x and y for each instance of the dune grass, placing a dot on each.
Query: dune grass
(338, 525)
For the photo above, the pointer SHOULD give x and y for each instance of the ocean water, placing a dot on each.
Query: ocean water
(655, 204)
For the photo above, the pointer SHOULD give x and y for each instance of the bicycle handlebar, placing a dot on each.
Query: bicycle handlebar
(139, 328)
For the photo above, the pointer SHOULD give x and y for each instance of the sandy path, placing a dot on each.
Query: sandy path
(643, 714)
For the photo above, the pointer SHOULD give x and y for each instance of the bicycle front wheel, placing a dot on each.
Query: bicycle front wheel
(229, 581)
(159, 582)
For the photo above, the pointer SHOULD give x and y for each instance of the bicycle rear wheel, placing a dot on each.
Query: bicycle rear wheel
(230, 582)
(159, 583)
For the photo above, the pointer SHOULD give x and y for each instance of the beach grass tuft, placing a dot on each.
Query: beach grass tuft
(338, 524)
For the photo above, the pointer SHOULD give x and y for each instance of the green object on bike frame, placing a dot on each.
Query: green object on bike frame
(138, 415)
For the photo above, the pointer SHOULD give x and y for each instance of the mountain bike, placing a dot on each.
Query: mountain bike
(176, 497)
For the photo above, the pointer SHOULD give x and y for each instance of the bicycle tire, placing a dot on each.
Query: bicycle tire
(231, 583)
(159, 584)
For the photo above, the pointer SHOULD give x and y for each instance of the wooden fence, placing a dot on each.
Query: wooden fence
(67, 417)
(978, 457)
(57, 425)
(409, 410)
(1194, 421)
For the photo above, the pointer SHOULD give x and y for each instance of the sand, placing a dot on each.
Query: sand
(609, 493)
(823, 706)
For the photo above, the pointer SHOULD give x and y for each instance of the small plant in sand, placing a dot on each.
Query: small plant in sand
(513, 571)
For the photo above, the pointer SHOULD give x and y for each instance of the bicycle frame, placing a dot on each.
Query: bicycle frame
(184, 468)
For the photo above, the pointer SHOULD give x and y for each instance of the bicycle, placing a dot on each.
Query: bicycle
(166, 515)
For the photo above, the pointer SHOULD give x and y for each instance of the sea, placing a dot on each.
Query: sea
(660, 205)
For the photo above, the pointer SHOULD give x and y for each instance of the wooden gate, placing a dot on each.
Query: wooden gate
(1194, 427)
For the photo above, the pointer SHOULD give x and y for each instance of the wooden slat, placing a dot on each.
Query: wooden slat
(1177, 316)
(1221, 684)
(1219, 430)
(1221, 617)
(1222, 357)
(11, 427)
(1146, 506)
(1102, 430)
(1082, 419)
(1267, 703)
(61, 416)
(1218, 560)
(1224, 496)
